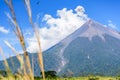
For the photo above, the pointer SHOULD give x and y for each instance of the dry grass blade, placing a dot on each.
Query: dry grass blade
(20, 37)
(40, 53)
(16, 53)
(40, 58)
(18, 57)
(5, 61)
(27, 3)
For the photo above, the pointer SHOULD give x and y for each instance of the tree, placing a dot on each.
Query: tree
(3, 73)
(50, 74)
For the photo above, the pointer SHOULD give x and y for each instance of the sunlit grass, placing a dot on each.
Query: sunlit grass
(25, 64)
(73, 78)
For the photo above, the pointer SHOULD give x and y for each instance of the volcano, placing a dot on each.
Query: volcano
(91, 49)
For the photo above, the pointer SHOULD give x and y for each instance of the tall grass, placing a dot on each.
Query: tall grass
(5, 61)
(25, 65)
(16, 53)
(40, 58)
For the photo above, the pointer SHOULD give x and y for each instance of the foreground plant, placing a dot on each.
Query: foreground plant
(26, 66)
(40, 57)
(20, 37)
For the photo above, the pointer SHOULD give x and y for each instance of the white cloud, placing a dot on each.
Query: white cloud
(56, 29)
(110, 24)
(3, 30)
(105, 25)
(80, 11)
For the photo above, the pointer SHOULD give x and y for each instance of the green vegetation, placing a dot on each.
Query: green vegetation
(52, 75)
(73, 78)
(84, 78)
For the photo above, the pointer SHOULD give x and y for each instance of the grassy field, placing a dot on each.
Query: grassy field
(85, 78)
(73, 78)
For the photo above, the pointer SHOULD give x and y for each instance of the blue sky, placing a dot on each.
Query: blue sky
(104, 11)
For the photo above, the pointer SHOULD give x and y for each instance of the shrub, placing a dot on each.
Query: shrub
(93, 78)
(50, 74)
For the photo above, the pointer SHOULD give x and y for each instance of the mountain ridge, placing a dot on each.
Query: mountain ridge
(92, 48)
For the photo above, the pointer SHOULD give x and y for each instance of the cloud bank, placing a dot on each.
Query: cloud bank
(56, 29)
(3, 30)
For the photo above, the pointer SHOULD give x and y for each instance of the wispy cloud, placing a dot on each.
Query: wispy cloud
(56, 29)
(110, 24)
(3, 30)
